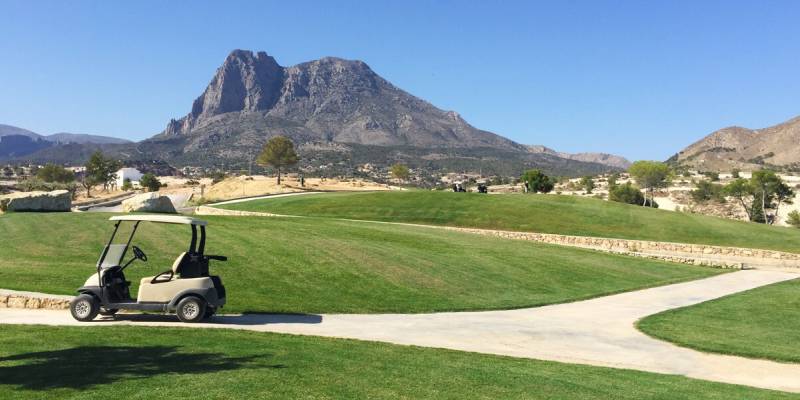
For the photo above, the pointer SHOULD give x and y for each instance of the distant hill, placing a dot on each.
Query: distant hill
(599, 158)
(736, 147)
(17, 142)
(81, 138)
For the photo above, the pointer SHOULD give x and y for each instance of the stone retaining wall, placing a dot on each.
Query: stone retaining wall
(15, 299)
(698, 254)
(206, 210)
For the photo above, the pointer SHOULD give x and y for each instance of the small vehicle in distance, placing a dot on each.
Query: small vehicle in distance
(186, 288)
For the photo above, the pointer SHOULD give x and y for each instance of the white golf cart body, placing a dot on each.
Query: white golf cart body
(187, 277)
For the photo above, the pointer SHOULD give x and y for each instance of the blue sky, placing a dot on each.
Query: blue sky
(637, 78)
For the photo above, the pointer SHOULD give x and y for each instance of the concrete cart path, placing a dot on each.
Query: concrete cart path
(597, 332)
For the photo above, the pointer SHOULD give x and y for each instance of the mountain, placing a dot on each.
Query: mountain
(82, 138)
(610, 160)
(339, 113)
(17, 142)
(330, 99)
(8, 130)
(736, 147)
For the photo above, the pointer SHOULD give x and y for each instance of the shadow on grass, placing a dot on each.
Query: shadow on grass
(243, 319)
(83, 367)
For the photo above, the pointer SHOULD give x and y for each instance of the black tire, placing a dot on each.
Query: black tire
(210, 311)
(108, 312)
(84, 308)
(191, 309)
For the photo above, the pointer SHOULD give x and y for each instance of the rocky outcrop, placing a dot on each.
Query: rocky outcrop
(18, 299)
(57, 200)
(149, 202)
(329, 99)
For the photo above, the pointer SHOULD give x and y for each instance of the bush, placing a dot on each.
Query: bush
(629, 194)
(126, 184)
(537, 181)
(150, 182)
(36, 184)
(707, 191)
(55, 173)
(794, 219)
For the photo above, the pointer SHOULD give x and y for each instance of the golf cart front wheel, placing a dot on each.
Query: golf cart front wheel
(191, 309)
(84, 307)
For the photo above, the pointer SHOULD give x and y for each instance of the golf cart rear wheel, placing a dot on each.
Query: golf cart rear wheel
(84, 307)
(191, 309)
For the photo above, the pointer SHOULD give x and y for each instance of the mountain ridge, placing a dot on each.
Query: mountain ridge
(777, 146)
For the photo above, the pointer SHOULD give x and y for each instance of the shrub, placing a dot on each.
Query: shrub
(707, 191)
(794, 219)
(127, 185)
(629, 194)
(150, 182)
(537, 181)
(55, 173)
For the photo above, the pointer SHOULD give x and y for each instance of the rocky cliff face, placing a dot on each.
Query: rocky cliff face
(330, 99)
(736, 147)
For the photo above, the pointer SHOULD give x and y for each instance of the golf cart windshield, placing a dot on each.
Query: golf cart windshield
(113, 255)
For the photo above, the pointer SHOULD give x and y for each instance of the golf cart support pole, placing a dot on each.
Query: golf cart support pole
(105, 252)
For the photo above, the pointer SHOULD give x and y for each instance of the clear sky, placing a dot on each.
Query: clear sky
(638, 78)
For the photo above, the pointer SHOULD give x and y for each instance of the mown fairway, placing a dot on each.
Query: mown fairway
(133, 362)
(761, 323)
(568, 215)
(323, 265)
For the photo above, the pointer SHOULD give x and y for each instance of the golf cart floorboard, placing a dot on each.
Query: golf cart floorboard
(138, 306)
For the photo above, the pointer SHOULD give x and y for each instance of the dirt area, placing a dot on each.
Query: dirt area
(259, 185)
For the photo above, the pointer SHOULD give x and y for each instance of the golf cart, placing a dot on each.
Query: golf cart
(186, 289)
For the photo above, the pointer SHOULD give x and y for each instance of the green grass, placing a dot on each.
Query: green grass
(309, 265)
(760, 323)
(173, 363)
(569, 215)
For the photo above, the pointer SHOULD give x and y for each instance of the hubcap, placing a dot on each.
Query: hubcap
(190, 310)
(83, 308)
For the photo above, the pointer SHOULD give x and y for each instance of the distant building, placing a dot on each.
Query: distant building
(133, 174)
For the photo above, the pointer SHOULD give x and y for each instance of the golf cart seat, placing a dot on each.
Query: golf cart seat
(169, 275)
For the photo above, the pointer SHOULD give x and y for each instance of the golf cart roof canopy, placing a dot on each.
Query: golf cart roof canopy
(166, 219)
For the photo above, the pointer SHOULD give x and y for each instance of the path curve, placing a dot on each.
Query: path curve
(597, 332)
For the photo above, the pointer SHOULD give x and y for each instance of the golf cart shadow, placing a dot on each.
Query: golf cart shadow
(87, 366)
(242, 319)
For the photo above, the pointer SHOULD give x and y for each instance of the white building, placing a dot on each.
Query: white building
(132, 174)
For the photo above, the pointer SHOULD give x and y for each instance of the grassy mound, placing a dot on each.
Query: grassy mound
(133, 362)
(569, 215)
(762, 323)
(322, 265)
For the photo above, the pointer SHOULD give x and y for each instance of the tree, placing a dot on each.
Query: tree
(741, 190)
(150, 182)
(279, 153)
(707, 191)
(55, 173)
(587, 183)
(735, 174)
(629, 194)
(768, 186)
(612, 180)
(650, 175)
(399, 172)
(8, 172)
(126, 184)
(536, 181)
(794, 219)
(99, 170)
(711, 175)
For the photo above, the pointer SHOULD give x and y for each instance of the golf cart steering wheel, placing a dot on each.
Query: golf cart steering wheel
(138, 253)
